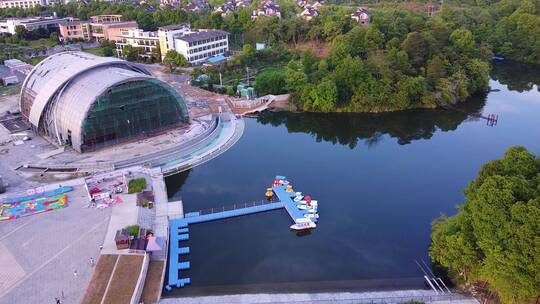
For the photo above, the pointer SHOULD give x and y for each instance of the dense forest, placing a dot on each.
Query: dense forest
(402, 60)
(495, 235)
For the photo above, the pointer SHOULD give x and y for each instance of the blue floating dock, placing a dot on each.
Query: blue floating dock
(178, 228)
(290, 205)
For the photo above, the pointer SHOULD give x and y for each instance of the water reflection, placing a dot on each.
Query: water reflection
(518, 77)
(350, 129)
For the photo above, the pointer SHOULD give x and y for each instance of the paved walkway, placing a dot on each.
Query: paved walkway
(39, 253)
(324, 298)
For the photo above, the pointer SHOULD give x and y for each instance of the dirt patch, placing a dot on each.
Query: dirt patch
(413, 6)
(124, 279)
(320, 49)
(96, 289)
(152, 284)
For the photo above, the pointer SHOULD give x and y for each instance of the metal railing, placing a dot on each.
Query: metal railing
(234, 207)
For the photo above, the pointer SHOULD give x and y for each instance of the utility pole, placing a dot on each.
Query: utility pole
(247, 72)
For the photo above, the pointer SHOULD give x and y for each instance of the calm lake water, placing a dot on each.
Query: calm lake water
(380, 181)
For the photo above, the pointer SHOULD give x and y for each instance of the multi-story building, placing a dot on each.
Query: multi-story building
(137, 38)
(21, 3)
(195, 45)
(109, 27)
(199, 45)
(166, 36)
(52, 24)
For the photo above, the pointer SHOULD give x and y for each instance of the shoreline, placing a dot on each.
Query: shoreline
(392, 296)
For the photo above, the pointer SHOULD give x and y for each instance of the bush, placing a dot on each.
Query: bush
(133, 230)
(136, 185)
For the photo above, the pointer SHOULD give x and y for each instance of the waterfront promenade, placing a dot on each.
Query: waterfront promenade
(378, 297)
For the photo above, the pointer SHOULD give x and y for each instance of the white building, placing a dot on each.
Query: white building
(166, 36)
(199, 45)
(21, 3)
(8, 26)
(196, 45)
(137, 38)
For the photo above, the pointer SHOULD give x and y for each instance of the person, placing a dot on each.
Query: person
(92, 261)
(100, 247)
(75, 273)
(57, 300)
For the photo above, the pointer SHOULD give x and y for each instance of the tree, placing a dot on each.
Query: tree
(130, 53)
(494, 236)
(463, 41)
(324, 96)
(416, 47)
(20, 31)
(270, 82)
(248, 53)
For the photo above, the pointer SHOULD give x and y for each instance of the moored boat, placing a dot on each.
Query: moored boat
(311, 215)
(303, 224)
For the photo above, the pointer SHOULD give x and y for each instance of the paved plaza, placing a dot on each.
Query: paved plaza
(39, 254)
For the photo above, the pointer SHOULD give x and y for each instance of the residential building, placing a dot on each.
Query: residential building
(226, 8)
(432, 9)
(52, 24)
(362, 16)
(147, 41)
(196, 5)
(21, 3)
(170, 3)
(108, 27)
(309, 13)
(267, 8)
(242, 3)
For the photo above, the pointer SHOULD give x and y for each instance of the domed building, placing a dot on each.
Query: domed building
(87, 102)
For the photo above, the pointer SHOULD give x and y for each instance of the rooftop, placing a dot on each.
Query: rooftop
(201, 35)
(174, 27)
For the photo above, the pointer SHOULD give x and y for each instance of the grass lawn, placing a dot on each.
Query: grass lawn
(96, 289)
(96, 51)
(41, 42)
(35, 60)
(124, 279)
(152, 283)
(10, 90)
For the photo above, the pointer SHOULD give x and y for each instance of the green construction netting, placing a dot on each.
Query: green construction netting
(131, 109)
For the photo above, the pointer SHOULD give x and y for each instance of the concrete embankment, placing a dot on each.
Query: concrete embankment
(399, 296)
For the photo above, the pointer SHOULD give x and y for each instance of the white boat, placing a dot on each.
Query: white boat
(302, 207)
(314, 203)
(303, 224)
(298, 193)
(311, 215)
(314, 210)
(298, 198)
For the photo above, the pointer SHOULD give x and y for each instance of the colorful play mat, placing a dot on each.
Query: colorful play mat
(13, 208)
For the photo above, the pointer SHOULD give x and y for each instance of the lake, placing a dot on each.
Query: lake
(380, 180)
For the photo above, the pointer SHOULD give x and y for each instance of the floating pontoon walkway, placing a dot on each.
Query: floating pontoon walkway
(179, 228)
